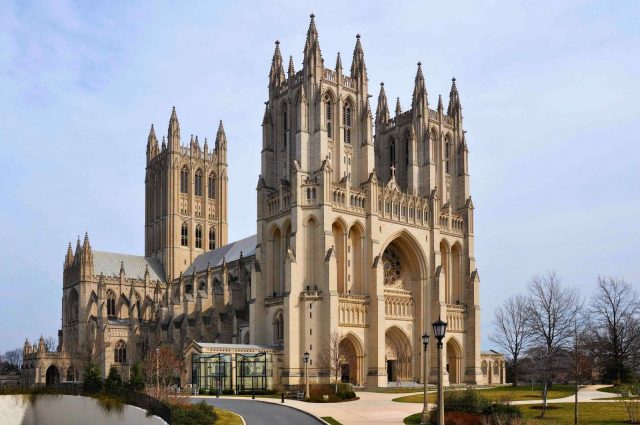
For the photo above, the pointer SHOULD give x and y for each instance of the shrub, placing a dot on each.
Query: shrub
(91, 378)
(194, 414)
(114, 380)
(469, 401)
(225, 392)
(136, 380)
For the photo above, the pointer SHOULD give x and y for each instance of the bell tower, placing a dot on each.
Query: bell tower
(185, 198)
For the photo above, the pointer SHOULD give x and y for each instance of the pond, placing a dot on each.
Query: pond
(69, 410)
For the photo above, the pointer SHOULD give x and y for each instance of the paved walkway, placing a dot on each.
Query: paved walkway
(257, 412)
(372, 408)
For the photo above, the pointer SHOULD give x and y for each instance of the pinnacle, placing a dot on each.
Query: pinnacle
(439, 101)
(398, 108)
(291, 69)
(338, 62)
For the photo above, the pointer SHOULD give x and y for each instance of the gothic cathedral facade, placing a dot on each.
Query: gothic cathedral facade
(363, 235)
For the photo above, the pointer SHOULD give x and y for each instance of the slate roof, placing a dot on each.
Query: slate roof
(108, 263)
(229, 252)
(218, 346)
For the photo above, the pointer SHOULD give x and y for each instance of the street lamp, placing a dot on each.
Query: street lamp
(439, 330)
(425, 405)
(306, 374)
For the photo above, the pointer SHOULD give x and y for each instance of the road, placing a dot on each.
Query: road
(256, 412)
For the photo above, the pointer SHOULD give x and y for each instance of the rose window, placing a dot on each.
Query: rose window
(392, 267)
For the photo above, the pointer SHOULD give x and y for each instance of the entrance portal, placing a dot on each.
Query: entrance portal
(53, 375)
(390, 370)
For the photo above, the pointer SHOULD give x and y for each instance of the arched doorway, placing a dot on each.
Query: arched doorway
(398, 355)
(454, 361)
(52, 376)
(351, 354)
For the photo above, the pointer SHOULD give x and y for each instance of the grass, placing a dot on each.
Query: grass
(562, 414)
(615, 389)
(588, 413)
(226, 417)
(330, 420)
(503, 393)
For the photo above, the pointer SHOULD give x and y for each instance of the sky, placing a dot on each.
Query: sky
(549, 91)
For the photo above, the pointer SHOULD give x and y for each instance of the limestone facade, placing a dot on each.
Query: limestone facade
(364, 231)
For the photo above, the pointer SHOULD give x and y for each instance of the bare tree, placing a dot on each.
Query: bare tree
(552, 312)
(511, 330)
(161, 367)
(331, 357)
(615, 315)
(13, 357)
(50, 343)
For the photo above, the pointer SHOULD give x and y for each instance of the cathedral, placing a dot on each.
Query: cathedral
(365, 236)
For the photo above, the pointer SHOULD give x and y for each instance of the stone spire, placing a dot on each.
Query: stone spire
(398, 108)
(174, 131)
(454, 99)
(440, 107)
(152, 144)
(419, 91)
(382, 111)
(266, 119)
(68, 259)
(358, 67)
(78, 248)
(87, 254)
(291, 71)
(339, 63)
(221, 138)
(276, 75)
(312, 53)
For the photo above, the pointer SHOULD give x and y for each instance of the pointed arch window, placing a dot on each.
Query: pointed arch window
(447, 155)
(120, 352)
(198, 182)
(184, 180)
(74, 306)
(198, 236)
(347, 122)
(407, 149)
(184, 234)
(111, 304)
(212, 186)
(285, 126)
(212, 238)
(392, 152)
(328, 116)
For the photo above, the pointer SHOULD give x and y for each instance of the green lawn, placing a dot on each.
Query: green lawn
(614, 389)
(502, 393)
(562, 414)
(226, 417)
(330, 420)
(397, 390)
(588, 414)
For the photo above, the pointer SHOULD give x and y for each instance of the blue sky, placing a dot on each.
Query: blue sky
(549, 89)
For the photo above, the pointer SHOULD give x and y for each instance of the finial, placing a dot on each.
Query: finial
(453, 79)
(419, 63)
(277, 42)
(357, 35)
(312, 16)
(382, 84)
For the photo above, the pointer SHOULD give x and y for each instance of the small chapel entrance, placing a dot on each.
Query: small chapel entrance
(454, 361)
(351, 354)
(52, 376)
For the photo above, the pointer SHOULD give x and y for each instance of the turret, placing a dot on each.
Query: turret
(152, 144)
(276, 74)
(221, 144)
(382, 110)
(455, 108)
(420, 102)
(174, 131)
(27, 347)
(41, 346)
(68, 258)
(358, 67)
(312, 54)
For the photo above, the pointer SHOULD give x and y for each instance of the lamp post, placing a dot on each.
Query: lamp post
(425, 405)
(157, 372)
(439, 330)
(306, 374)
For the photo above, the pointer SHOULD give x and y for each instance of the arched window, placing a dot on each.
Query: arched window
(71, 374)
(198, 182)
(285, 125)
(184, 180)
(278, 328)
(120, 352)
(212, 186)
(212, 238)
(392, 152)
(111, 304)
(184, 234)
(447, 155)
(407, 149)
(328, 112)
(198, 236)
(74, 306)
(347, 122)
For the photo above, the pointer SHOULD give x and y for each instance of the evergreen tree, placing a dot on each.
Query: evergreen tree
(114, 380)
(136, 381)
(91, 378)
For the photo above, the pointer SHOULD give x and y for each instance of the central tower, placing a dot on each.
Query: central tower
(185, 198)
